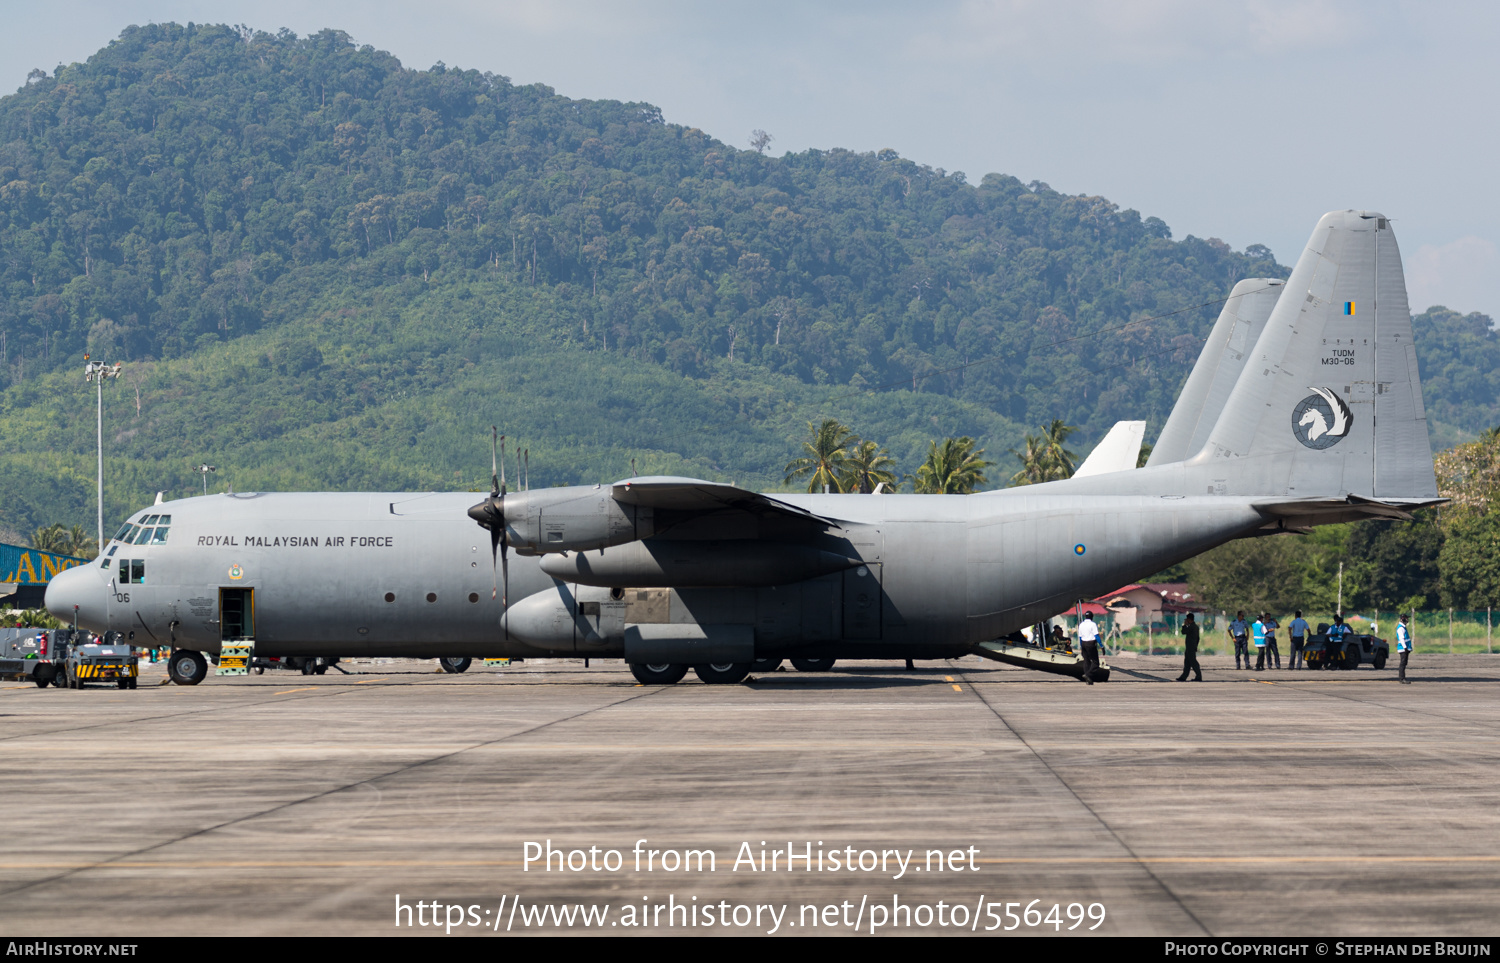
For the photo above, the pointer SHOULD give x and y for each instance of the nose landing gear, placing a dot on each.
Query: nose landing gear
(187, 667)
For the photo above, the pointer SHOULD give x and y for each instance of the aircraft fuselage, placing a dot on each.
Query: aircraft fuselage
(403, 574)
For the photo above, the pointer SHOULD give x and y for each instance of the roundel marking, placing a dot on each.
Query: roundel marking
(1079, 549)
(1321, 420)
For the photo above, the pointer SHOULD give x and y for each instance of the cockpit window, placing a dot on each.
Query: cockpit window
(159, 535)
(142, 536)
(124, 530)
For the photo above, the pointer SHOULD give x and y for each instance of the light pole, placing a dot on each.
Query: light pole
(204, 470)
(97, 371)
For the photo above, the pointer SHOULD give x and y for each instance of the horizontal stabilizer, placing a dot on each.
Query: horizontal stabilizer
(1119, 450)
(1322, 511)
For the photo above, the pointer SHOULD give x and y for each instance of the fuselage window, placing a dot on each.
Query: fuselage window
(124, 571)
(138, 571)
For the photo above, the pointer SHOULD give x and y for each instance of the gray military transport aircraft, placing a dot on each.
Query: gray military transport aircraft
(1304, 409)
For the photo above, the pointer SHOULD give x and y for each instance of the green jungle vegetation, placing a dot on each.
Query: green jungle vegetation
(322, 270)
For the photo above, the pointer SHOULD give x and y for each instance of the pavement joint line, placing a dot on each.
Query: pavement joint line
(1120, 840)
(279, 807)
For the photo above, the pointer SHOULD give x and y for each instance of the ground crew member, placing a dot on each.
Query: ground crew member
(1403, 645)
(1298, 629)
(1239, 631)
(1258, 636)
(1268, 643)
(1338, 632)
(1190, 650)
(1088, 644)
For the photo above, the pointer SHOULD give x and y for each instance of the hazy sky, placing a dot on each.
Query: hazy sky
(1240, 120)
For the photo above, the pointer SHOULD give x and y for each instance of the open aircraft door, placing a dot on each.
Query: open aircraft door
(236, 630)
(237, 615)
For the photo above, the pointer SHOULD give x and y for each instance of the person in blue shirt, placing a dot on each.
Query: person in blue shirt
(1268, 651)
(1298, 631)
(1239, 632)
(1403, 645)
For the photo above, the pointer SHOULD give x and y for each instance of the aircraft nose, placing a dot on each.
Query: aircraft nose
(84, 587)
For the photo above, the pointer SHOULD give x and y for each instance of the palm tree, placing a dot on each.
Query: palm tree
(1035, 467)
(1045, 459)
(953, 469)
(52, 538)
(867, 467)
(826, 456)
(1063, 464)
(81, 543)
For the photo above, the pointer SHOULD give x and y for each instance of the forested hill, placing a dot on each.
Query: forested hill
(326, 270)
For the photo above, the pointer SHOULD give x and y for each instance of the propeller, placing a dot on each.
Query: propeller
(490, 514)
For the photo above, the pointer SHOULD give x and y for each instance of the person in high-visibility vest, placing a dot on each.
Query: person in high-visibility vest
(1403, 645)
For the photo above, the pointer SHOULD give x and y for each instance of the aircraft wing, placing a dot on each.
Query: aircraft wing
(694, 496)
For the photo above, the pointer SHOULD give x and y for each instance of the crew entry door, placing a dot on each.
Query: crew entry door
(236, 614)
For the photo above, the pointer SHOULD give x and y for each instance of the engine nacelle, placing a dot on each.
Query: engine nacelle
(557, 619)
(573, 520)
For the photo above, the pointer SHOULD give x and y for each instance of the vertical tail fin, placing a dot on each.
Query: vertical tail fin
(1218, 367)
(1329, 403)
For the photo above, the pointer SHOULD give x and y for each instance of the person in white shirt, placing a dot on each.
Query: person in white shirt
(1088, 644)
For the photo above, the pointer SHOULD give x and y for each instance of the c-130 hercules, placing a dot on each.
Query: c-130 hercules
(1304, 409)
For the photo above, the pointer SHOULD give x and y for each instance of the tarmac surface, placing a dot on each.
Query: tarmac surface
(1253, 804)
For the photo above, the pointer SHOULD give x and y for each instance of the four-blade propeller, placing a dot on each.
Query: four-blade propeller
(490, 514)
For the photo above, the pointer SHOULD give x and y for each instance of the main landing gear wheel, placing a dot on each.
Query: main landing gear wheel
(767, 665)
(722, 673)
(812, 665)
(453, 664)
(187, 667)
(663, 674)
